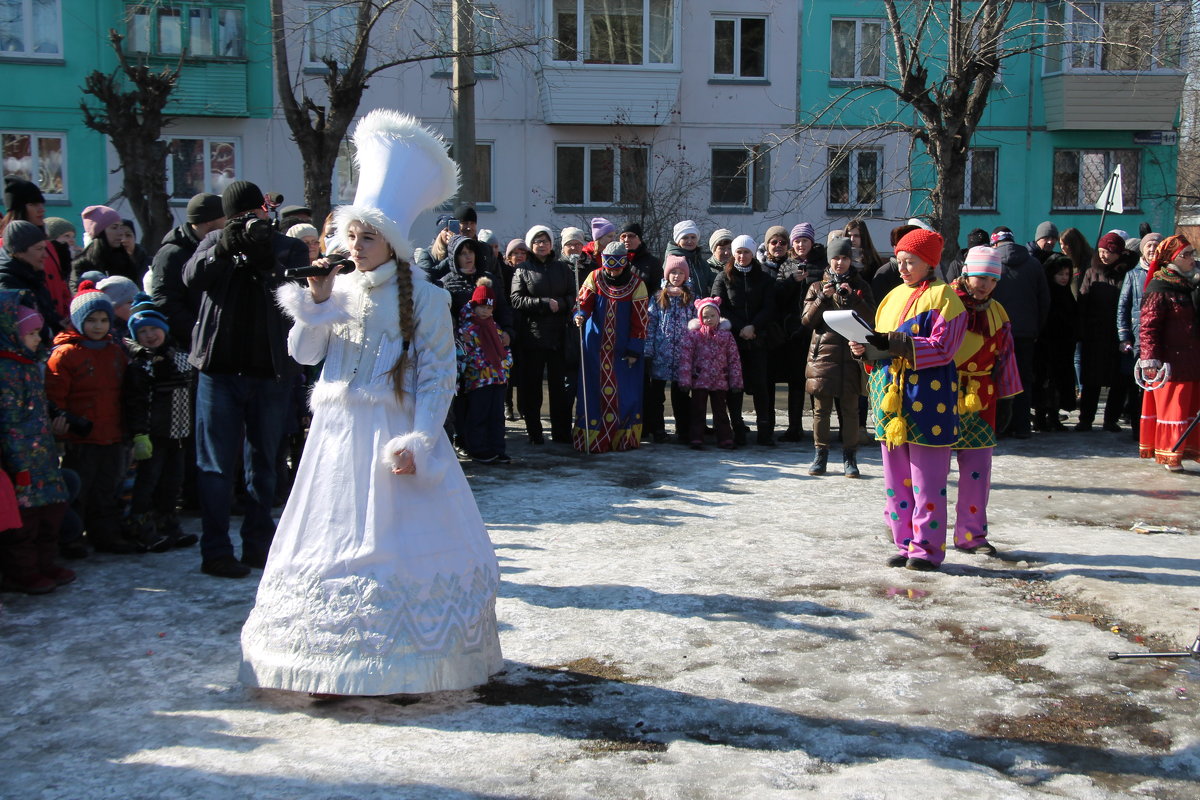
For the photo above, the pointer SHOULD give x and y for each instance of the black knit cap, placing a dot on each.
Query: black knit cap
(634, 228)
(19, 193)
(240, 197)
(204, 207)
(466, 214)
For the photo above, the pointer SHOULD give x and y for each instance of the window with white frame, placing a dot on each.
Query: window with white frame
(30, 29)
(979, 189)
(37, 156)
(1130, 36)
(332, 29)
(638, 32)
(854, 175)
(856, 49)
(1080, 177)
(600, 175)
(201, 164)
(195, 30)
(739, 47)
(485, 26)
(737, 178)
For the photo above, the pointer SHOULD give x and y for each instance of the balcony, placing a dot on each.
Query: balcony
(211, 89)
(607, 96)
(1108, 101)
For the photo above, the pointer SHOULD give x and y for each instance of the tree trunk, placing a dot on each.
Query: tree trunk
(946, 197)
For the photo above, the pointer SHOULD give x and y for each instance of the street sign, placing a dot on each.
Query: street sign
(1112, 199)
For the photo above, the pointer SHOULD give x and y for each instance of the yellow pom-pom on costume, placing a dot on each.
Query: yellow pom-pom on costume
(895, 432)
(972, 402)
(891, 400)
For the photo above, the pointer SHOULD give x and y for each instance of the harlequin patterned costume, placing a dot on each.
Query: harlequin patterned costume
(609, 388)
(987, 373)
(914, 390)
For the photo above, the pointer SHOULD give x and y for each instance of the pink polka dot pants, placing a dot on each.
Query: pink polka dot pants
(915, 479)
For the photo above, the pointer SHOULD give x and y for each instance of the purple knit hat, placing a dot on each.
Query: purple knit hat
(803, 231)
(601, 227)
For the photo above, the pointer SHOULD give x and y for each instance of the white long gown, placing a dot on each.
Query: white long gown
(376, 583)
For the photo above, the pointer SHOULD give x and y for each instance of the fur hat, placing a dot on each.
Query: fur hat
(20, 235)
(744, 242)
(88, 301)
(683, 228)
(718, 236)
(57, 226)
(924, 244)
(19, 193)
(840, 246)
(403, 171)
(601, 227)
(534, 231)
(675, 262)
(148, 319)
(1112, 242)
(483, 294)
(97, 218)
(573, 235)
(119, 289)
(982, 261)
(803, 231)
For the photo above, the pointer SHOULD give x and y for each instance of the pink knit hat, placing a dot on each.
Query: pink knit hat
(28, 321)
(675, 262)
(982, 261)
(97, 218)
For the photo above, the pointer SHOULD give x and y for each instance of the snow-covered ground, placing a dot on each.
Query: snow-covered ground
(676, 624)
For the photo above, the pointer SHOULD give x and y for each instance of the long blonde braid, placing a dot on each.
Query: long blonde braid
(404, 292)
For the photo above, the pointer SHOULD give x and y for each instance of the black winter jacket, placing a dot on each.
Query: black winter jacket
(18, 275)
(178, 304)
(747, 298)
(1022, 290)
(534, 284)
(461, 287)
(156, 397)
(223, 285)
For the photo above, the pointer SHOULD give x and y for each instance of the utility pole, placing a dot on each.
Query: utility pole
(463, 90)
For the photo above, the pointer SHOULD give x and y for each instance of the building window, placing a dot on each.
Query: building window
(738, 178)
(634, 32)
(600, 175)
(1080, 177)
(979, 191)
(485, 26)
(856, 49)
(740, 47)
(1127, 36)
(30, 29)
(201, 164)
(854, 178)
(332, 29)
(38, 157)
(189, 29)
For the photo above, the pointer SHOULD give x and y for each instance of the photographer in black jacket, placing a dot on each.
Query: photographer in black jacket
(239, 345)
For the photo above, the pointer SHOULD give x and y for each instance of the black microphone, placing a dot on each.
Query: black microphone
(338, 262)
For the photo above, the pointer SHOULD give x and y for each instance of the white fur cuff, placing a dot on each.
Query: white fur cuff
(296, 301)
(430, 468)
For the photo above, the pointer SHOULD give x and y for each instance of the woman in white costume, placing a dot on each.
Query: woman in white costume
(381, 578)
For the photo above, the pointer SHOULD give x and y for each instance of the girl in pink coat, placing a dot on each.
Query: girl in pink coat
(710, 368)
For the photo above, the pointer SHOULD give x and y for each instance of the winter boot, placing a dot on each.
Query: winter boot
(168, 524)
(819, 462)
(850, 465)
(144, 531)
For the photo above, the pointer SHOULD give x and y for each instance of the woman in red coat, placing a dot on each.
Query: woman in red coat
(1170, 355)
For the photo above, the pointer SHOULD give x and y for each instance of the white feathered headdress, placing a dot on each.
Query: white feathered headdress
(403, 170)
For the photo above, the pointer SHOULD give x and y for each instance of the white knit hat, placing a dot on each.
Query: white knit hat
(403, 170)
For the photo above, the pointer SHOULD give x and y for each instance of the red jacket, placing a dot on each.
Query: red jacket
(87, 381)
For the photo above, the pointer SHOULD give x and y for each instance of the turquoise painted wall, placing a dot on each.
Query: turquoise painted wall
(45, 96)
(1014, 122)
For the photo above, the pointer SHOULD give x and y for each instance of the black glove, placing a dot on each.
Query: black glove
(879, 341)
(233, 239)
(1003, 414)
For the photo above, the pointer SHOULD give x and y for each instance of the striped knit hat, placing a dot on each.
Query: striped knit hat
(89, 300)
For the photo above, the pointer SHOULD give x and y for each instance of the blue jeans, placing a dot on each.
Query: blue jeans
(230, 410)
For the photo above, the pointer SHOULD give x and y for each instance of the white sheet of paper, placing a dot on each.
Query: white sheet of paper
(849, 324)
